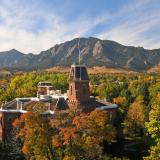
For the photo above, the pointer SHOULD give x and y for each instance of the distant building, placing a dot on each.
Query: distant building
(77, 97)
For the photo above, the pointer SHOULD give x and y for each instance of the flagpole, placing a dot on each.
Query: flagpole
(79, 51)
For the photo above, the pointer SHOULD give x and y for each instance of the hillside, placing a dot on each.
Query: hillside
(4, 72)
(155, 69)
(92, 70)
(94, 52)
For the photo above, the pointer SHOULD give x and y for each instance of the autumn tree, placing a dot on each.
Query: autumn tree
(134, 122)
(66, 136)
(83, 136)
(37, 135)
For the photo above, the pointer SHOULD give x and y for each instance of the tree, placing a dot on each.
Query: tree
(143, 91)
(108, 90)
(37, 136)
(134, 122)
(153, 125)
(154, 153)
(153, 128)
(72, 136)
(13, 147)
(83, 135)
(3, 151)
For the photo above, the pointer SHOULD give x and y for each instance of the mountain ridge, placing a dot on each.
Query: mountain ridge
(94, 52)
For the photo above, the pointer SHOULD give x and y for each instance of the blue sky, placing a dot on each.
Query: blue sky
(36, 25)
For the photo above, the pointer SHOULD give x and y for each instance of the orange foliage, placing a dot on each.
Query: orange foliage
(84, 121)
(35, 131)
(16, 123)
(25, 148)
(56, 141)
(119, 100)
(68, 133)
(85, 131)
(99, 118)
(80, 121)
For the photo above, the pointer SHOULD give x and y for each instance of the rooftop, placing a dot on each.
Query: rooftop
(44, 84)
(104, 105)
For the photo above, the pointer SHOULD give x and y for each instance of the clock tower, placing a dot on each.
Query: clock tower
(79, 94)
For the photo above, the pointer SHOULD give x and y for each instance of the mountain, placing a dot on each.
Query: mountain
(10, 58)
(94, 52)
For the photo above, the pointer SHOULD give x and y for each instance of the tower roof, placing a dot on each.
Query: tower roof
(78, 72)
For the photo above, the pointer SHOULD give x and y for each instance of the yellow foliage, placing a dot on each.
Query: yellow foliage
(91, 140)
(69, 158)
(158, 96)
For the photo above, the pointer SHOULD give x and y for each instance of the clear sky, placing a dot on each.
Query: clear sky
(37, 25)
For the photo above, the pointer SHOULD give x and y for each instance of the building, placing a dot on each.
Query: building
(78, 93)
(52, 101)
(6, 119)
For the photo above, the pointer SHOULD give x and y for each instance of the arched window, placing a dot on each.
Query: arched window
(71, 89)
(0, 122)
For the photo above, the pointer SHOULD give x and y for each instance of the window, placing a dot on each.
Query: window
(71, 89)
(84, 74)
(0, 122)
(78, 72)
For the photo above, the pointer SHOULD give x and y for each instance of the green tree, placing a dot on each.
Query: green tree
(153, 128)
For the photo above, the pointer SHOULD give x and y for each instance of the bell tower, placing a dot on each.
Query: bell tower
(79, 94)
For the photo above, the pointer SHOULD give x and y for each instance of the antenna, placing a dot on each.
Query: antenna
(79, 51)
